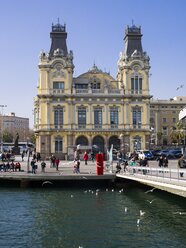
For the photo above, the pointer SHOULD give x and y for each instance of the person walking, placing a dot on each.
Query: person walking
(181, 164)
(92, 156)
(43, 165)
(33, 165)
(52, 160)
(77, 166)
(57, 163)
(22, 156)
(85, 157)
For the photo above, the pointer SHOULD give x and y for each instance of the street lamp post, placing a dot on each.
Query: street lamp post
(2, 125)
(28, 156)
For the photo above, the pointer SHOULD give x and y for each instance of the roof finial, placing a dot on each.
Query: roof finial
(58, 20)
(132, 22)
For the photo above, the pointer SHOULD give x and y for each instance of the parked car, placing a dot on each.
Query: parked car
(170, 153)
(155, 153)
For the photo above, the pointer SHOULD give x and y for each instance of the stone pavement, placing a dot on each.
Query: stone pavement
(67, 167)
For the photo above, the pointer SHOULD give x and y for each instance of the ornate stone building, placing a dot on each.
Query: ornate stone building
(93, 109)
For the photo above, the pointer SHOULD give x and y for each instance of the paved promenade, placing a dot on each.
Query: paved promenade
(67, 167)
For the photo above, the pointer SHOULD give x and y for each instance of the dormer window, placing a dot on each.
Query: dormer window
(95, 85)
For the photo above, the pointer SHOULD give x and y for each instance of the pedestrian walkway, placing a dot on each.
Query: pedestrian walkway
(167, 179)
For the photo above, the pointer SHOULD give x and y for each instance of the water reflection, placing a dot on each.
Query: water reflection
(52, 218)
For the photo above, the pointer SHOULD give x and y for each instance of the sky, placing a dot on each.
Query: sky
(95, 35)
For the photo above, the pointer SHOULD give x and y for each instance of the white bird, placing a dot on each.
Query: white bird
(97, 190)
(180, 213)
(141, 213)
(106, 189)
(84, 177)
(126, 209)
(150, 191)
(138, 222)
(151, 201)
(96, 193)
(71, 196)
(85, 191)
(46, 182)
(112, 190)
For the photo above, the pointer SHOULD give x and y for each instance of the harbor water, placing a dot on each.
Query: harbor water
(91, 218)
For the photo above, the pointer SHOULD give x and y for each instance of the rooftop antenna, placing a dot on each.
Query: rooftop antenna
(58, 20)
(132, 22)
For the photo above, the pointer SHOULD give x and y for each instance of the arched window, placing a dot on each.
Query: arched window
(115, 141)
(58, 144)
(82, 140)
(98, 141)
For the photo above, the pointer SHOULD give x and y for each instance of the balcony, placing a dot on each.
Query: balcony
(91, 127)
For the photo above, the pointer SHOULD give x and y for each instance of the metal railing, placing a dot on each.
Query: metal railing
(156, 172)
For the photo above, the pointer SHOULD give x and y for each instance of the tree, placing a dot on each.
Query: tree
(177, 133)
(7, 137)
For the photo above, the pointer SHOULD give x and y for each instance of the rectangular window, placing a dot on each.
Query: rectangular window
(58, 85)
(82, 118)
(58, 117)
(164, 130)
(174, 120)
(98, 118)
(58, 145)
(136, 85)
(81, 86)
(136, 118)
(114, 117)
(164, 120)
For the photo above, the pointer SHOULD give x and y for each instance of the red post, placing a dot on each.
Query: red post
(99, 164)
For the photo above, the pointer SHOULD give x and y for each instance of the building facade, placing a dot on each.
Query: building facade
(164, 117)
(14, 124)
(93, 109)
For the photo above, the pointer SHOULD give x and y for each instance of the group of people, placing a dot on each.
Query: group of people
(163, 161)
(35, 167)
(54, 162)
(10, 166)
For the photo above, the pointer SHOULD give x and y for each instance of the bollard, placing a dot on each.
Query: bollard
(99, 164)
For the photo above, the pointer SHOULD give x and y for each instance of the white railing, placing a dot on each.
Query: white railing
(157, 172)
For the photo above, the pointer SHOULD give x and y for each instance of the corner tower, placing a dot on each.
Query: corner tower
(133, 77)
(53, 90)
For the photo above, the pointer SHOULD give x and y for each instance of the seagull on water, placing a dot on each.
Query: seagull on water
(150, 191)
(46, 182)
(180, 213)
(151, 201)
(138, 222)
(141, 213)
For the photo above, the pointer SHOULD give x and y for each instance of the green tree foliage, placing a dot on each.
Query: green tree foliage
(7, 137)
